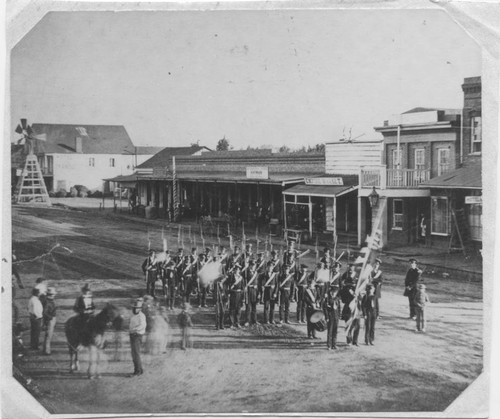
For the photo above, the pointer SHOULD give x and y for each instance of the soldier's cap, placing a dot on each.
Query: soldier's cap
(337, 265)
(412, 260)
(85, 287)
(369, 287)
(208, 250)
(303, 266)
(138, 303)
(421, 286)
(193, 249)
(273, 253)
(379, 261)
(180, 250)
(40, 279)
(151, 251)
(51, 291)
(202, 255)
(351, 265)
(327, 249)
(249, 245)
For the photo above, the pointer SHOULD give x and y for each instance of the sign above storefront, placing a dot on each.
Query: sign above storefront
(257, 173)
(335, 181)
(160, 172)
(474, 199)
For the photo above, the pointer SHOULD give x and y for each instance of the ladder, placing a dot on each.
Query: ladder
(31, 187)
(460, 231)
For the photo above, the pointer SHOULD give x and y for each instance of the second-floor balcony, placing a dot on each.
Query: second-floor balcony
(381, 177)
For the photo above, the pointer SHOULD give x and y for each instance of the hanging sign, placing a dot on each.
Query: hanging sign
(257, 173)
(160, 172)
(335, 181)
(474, 199)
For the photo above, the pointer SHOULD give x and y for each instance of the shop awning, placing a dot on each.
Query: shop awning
(327, 191)
(467, 177)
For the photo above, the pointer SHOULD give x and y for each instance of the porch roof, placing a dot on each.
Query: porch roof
(327, 191)
(467, 177)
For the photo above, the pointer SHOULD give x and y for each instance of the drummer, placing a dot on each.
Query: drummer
(311, 307)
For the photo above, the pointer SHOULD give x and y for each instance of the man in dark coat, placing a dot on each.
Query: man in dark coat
(411, 280)
(150, 268)
(331, 308)
(369, 307)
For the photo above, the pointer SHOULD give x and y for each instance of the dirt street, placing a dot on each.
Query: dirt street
(259, 369)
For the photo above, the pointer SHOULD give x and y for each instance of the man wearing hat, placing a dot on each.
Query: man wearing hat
(251, 281)
(270, 284)
(236, 288)
(202, 289)
(285, 284)
(411, 280)
(302, 279)
(137, 329)
(331, 308)
(49, 319)
(234, 258)
(150, 270)
(84, 305)
(375, 278)
(369, 307)
(291, 252)
(348, 284)
(335, 276)
(327, 258)
(220, 300)
(260, 263)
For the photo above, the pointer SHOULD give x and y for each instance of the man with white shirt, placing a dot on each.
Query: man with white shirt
(35, 310)
(137, 328)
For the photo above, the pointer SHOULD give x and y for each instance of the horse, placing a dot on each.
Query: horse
(90, 334)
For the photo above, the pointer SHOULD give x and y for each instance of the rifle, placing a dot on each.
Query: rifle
(237, 282)
(302, 279)
(187, 267)
(251, 280)
(303, 254)
(286, 280)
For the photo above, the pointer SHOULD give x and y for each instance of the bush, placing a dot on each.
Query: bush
(73, 192)
(83, 193)
(61, 193)
(96, 194)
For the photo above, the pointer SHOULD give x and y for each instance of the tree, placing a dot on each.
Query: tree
(284, 149)
(222, 145)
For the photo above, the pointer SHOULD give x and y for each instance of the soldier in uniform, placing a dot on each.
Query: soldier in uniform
(311, 306)
(331, 308)
(150, 269)
(270, 285)
(234, 258)
(202, 290)
(347, 290)
(291, 252)
(303, 278)
(285, 282)
(162, 274)
(375, 279)
(220, 296)
(236, 287)
(369, 306)
(172, 281)
(327, 258)
(251, 294)
(411, 280)
(189, 276)
(248, 254)
(261, 270)
(179, 260)
(321, 287)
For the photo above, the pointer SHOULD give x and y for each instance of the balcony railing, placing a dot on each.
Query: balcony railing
(381, 177)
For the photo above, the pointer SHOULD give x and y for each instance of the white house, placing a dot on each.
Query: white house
(86, 154)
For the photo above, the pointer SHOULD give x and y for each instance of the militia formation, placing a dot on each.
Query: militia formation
(238, 282)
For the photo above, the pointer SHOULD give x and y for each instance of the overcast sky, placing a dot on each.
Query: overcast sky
(257, 77)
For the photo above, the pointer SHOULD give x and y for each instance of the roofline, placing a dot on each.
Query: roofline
(416, 127)
(356, 141)
(422, 186)
(346, 191)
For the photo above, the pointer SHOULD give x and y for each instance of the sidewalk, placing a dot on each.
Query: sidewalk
(436, 261)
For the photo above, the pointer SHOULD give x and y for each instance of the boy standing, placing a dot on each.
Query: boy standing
(49, 319)
(421, 298)
(411, 280)
(185, 324)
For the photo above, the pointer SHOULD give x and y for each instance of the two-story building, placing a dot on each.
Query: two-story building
(456, 197)
(72, 155)
(419, 145)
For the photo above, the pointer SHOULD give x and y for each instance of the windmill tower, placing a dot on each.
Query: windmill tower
(31, 187)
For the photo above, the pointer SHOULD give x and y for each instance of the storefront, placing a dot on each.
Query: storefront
(322, 204)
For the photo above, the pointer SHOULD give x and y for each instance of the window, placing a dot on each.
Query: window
(397, 158)
(111, 162)
(420, 158)
(443, 160)
(474, 215)
(476, 137)
(91, 162)
(440, 215)
(397, 214)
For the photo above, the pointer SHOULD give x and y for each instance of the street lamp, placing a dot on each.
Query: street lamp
(373, 198)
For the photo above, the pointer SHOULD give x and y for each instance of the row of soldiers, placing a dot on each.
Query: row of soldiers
(246, 279)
